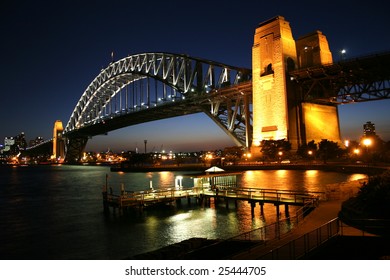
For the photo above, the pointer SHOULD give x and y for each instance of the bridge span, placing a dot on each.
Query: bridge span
(283, 96)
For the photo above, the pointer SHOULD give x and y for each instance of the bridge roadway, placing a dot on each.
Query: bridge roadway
(141, 199)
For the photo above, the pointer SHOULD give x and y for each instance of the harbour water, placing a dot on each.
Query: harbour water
(56, 212)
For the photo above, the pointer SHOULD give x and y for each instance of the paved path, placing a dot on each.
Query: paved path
(325, 212)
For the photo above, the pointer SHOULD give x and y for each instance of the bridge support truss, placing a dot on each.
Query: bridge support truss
(75, 147)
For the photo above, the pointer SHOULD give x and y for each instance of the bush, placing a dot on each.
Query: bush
(374, 196)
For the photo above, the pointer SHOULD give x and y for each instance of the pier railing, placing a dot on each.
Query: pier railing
(278, 229)
(264, 235)
(142, 198)
(302, 246)
(274, 195)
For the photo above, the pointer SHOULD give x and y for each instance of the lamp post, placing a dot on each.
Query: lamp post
(367, 143)
(356, 152)
(280, 153)
(310, 153)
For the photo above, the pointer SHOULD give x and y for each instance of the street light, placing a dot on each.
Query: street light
(342, 54)
(356, 151)
(310, 153)
(367, 143)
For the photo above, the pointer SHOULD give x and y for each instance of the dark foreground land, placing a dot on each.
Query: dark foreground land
(336, 167)
(198, 249)
(353, 248)
(337, 248)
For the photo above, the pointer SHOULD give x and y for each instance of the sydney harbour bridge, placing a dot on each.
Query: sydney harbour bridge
(298, 77)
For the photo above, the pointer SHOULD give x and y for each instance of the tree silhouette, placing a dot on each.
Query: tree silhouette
(329, 150)
(271, 148)
(303, 150)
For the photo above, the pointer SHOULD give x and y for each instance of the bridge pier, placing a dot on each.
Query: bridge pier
(253, 205)
(277, 211)
(106, 207)
(261, 208)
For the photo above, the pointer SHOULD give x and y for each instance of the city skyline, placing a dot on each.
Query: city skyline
(52, 51)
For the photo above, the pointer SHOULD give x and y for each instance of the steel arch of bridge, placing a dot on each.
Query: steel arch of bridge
(168, 85)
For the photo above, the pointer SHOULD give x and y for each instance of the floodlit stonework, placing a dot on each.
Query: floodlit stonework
(58, 144)
(279, 113)
(321, 122)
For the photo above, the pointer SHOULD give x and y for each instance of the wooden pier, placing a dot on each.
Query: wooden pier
(142, 199)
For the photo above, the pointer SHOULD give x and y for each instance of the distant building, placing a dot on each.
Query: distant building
(20, 142)
(15, 144)
(369, 129)
(8, 143)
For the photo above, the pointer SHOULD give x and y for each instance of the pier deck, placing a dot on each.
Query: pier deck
(147, 198)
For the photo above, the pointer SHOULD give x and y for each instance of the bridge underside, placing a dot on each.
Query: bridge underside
(45, 150)
(77, 139)
(170, 110)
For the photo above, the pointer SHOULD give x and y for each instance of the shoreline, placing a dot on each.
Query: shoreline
(335, 167)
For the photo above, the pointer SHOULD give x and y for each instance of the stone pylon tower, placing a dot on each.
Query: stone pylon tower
(273, 54)
(58, 142)
(278, 109)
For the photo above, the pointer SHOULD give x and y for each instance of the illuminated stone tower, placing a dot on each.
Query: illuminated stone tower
(58, 142)
(278, 110)
(273, 53)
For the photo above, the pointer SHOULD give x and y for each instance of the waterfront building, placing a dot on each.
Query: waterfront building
(20, 142)
(369, 129)
(8, 143)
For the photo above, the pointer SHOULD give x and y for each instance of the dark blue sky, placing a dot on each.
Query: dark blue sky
(51, 51)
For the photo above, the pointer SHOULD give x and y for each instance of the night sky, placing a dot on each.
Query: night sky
(52, 50)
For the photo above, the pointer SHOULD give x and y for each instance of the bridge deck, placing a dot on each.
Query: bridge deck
(142, 199)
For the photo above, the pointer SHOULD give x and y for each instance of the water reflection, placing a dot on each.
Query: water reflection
(59, 208)
(298, 180)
